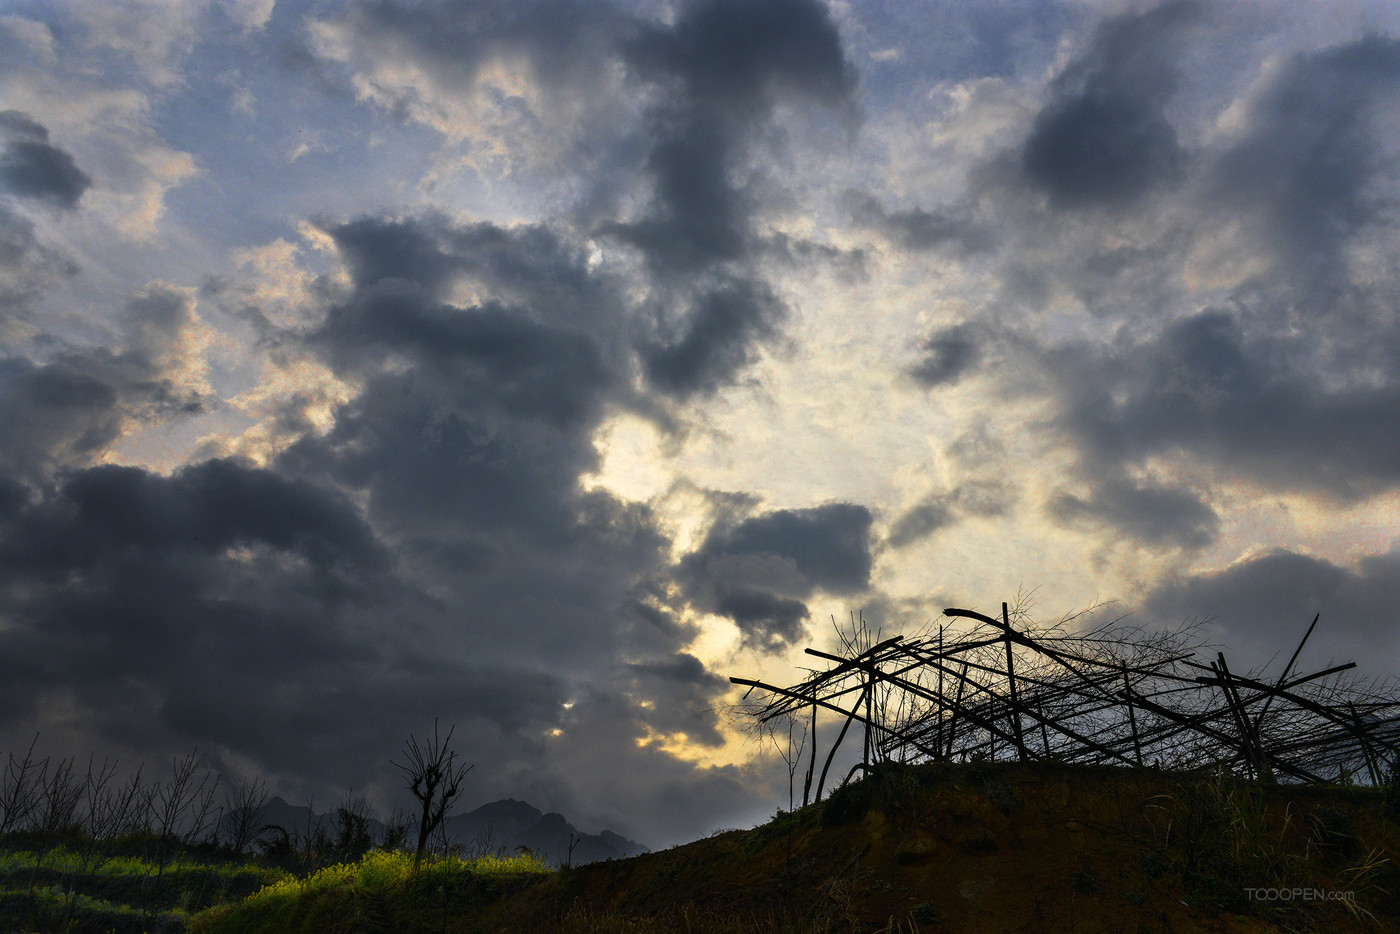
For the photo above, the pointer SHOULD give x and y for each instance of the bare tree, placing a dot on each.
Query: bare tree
(395, 831)
(352, 819)
(19, 789)
(244, 807)
(181, 802)
(59, 793)
(113, 807)
(435, 779)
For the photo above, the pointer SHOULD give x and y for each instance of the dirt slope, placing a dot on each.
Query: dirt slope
(1006, 848)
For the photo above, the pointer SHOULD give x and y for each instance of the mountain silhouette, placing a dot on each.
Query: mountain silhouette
(500, 827)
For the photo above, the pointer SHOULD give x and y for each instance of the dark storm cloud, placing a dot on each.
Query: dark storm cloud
(206, 507)
(1149, 513)
(1261, 607)
(566, 42)
(533, 370)
(1305, 171)
(432, 553)
(531, 267)
(32, 167)
(829, 544)
(765, 618)
(757, 571)
(1103, 139)
(919, 230)
(722, 68)
(1290, 382)
(27, 266)
(984, 498)
(467, 439)
(947, 356)
(55, 410)
(921, 520)
(545, 346)
(69, 408)
(118, 576)
(725, 65)
(709, 85)
(723, 325)
(684, 692)
(491, 424)
(1204, 386)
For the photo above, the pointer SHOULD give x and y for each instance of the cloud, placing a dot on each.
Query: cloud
(668, 145)
(1306, 168)
(1101, 279)
(32, 167)
(948, 355)
(721, 328)
(67, 410)
(522, 89)
(681, 694)
(1261, 606)
(1103, 138)
(829, 544)
(758, 570)
(121, 576)
(722, 69)
(1243, 327)
(918, 230)
(765, 618)
(1207, 387)
(431, 552)
(212, 507)
(975, 497)
(1149, 513)
(724, 66)
(29, 267)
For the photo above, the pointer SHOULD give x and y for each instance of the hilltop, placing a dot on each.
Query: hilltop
(1001, 847)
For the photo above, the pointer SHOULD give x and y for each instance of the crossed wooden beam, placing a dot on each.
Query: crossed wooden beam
(996, 691)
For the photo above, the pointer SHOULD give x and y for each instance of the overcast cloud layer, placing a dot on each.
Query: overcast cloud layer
(536, 366)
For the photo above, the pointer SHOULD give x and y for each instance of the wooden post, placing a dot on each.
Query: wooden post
(1256, 757)
(957, 705)
(869, 721)
(821, 782)
(1014, 709)
(1132, 717)
(812, 762)
(1371, 766)
(941, 703)
(1044, 733)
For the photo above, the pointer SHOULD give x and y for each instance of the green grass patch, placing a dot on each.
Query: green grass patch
(380, 892)
(103, 887)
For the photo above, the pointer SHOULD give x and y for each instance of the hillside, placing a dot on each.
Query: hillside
(952, 849)
(1008, 847)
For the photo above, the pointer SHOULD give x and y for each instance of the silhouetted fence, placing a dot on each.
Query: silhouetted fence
(994, 691)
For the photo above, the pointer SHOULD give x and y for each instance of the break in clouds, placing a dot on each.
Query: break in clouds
(535, 367)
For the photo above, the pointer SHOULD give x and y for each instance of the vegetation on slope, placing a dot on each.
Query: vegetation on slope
(381, 892)
(134, 884)
(967, 848)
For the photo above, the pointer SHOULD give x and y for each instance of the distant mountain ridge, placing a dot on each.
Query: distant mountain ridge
(498, 827)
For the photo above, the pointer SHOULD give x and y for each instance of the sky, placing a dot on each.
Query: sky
(536, 367)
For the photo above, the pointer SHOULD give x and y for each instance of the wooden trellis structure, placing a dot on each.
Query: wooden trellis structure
(995, 691)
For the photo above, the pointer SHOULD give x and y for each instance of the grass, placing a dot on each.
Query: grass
(113, 892)
(105, 888)
(380, 892)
